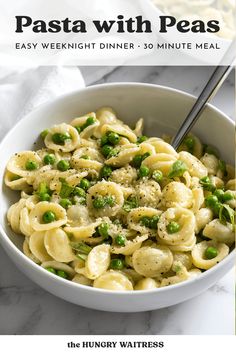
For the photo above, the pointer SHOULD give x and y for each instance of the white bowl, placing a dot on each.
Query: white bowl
(163, 110)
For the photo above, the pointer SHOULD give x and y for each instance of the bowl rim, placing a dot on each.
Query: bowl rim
(13, 248)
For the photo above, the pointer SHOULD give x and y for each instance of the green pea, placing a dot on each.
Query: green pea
(62, 274)
(65, 203)
(117, 263)
(145, 221)
(31, 165)
(44, 197)
(113, 138)
(106, 171)
(153, 222)
(205, 179)
(177, 169)
(49, 216)
(211, 200)
(44, 133)
(150, 222)
(107, 150)
(90, 121)
(79, 192)
(157, 176)
(189, 142)
(104, 140)
(78, 128)
(216, 208)
(49, 159)
(51, 270)
(227, 196)
(63, 165)
(143, 171)
(173, 227)
(211, 252)
(103, 230)
(137, 161)
(84, 184)
(85, 157)
(110, 200)
(219, 193)
(207, 184)
(120, 240)
(141, 139)
(59, 138)
(99, 203)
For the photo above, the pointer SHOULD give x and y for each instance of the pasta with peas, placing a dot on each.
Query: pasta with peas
(103, 205)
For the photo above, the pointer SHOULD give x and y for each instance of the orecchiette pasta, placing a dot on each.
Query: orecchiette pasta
(186, 222)
(15, 182)
(87, 130)
(203, 217)
(162, 147)
(199, 257)
(177, 194)
(146, 284)
(82, 232)
(105, 190)
(104, 206)
(148, 193)
(219, 232)
(152, 261)
(14, 215)
(113, 280)
(195, 166)
(25, 227)
(28, 253)
(136, 219)
(37, 246)
(211, 163)
(122, 130)
(37, 213)
(57, 245)
(81, 279)
(123, 156)
(98, 261)
(130, 246)
(94, 160)
(17, 164)
(70, 143)
(160, 161)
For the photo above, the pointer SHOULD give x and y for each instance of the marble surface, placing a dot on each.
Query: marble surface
(27, 309)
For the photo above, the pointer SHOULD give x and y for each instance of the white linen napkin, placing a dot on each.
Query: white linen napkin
(23, 89)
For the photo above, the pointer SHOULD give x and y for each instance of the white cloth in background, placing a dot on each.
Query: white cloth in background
(24, 89)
